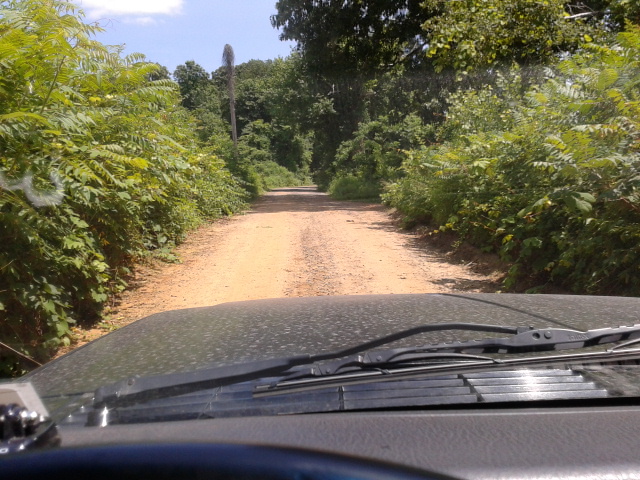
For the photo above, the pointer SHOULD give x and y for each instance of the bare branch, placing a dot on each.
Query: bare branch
(582, 15)
(21, 355)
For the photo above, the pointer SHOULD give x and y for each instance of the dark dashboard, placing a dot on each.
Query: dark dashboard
(578, 442)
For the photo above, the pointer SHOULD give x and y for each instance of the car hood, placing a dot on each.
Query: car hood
(190, 339)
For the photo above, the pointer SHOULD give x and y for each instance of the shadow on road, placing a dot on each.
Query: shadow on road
(306, 199)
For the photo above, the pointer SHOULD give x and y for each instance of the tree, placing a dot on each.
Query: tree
(228, 59)
(345, 48)
(353, 51)
(610, 14)
(356, 37)
(193, 81)
(162, 73)
(273, 94)
(252, 87)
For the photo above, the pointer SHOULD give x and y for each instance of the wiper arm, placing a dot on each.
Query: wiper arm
(525, 340)
(140, 389)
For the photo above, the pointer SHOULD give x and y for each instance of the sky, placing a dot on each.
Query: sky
(171, 32)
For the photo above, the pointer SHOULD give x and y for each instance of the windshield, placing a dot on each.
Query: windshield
(160, 164)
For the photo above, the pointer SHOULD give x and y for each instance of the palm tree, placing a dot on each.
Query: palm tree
(228, 59)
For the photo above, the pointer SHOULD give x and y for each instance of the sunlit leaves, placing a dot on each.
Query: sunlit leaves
(470, 34)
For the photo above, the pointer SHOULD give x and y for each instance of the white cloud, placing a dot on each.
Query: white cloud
(144, 8)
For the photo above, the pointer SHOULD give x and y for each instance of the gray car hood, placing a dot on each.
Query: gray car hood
(190, 339)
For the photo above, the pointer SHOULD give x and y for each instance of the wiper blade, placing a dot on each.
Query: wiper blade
(140, 389)
(298, 382)
(525, 340)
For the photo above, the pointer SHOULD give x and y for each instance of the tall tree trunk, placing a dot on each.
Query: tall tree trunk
(228, 59)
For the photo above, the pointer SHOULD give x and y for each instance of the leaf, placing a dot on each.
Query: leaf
(72, 242)
(49, 306)
(50, 289)
(23, 115)
(587, 197)
(138, 162)
(62, 328)
(580, 202)
(99, 297)
(607, 78)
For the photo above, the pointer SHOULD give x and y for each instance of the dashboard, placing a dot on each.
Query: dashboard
(593, 442)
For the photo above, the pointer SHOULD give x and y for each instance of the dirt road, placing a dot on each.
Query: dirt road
(295, 242)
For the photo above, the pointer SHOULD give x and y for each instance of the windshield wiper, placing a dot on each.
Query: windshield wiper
(526, 340)
(360, 357)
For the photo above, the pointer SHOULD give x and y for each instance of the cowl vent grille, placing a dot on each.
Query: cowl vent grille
(502, 386)
(522, 385)
(238, 400)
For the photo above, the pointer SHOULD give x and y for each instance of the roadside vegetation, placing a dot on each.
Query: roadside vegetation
(271, 150)
(513, 124)
(547, 175)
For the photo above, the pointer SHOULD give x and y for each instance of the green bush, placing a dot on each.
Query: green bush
(354, 188)
(273, 176)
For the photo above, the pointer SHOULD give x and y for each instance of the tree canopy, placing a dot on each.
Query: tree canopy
(479, 33)
(356, 37)
(193, 81)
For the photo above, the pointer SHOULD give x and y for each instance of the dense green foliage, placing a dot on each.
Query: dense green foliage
(351, 187)
(479, 33)
(272, 175)
(548, 177)
(352, 38)
(353, 53)
(99, 166)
